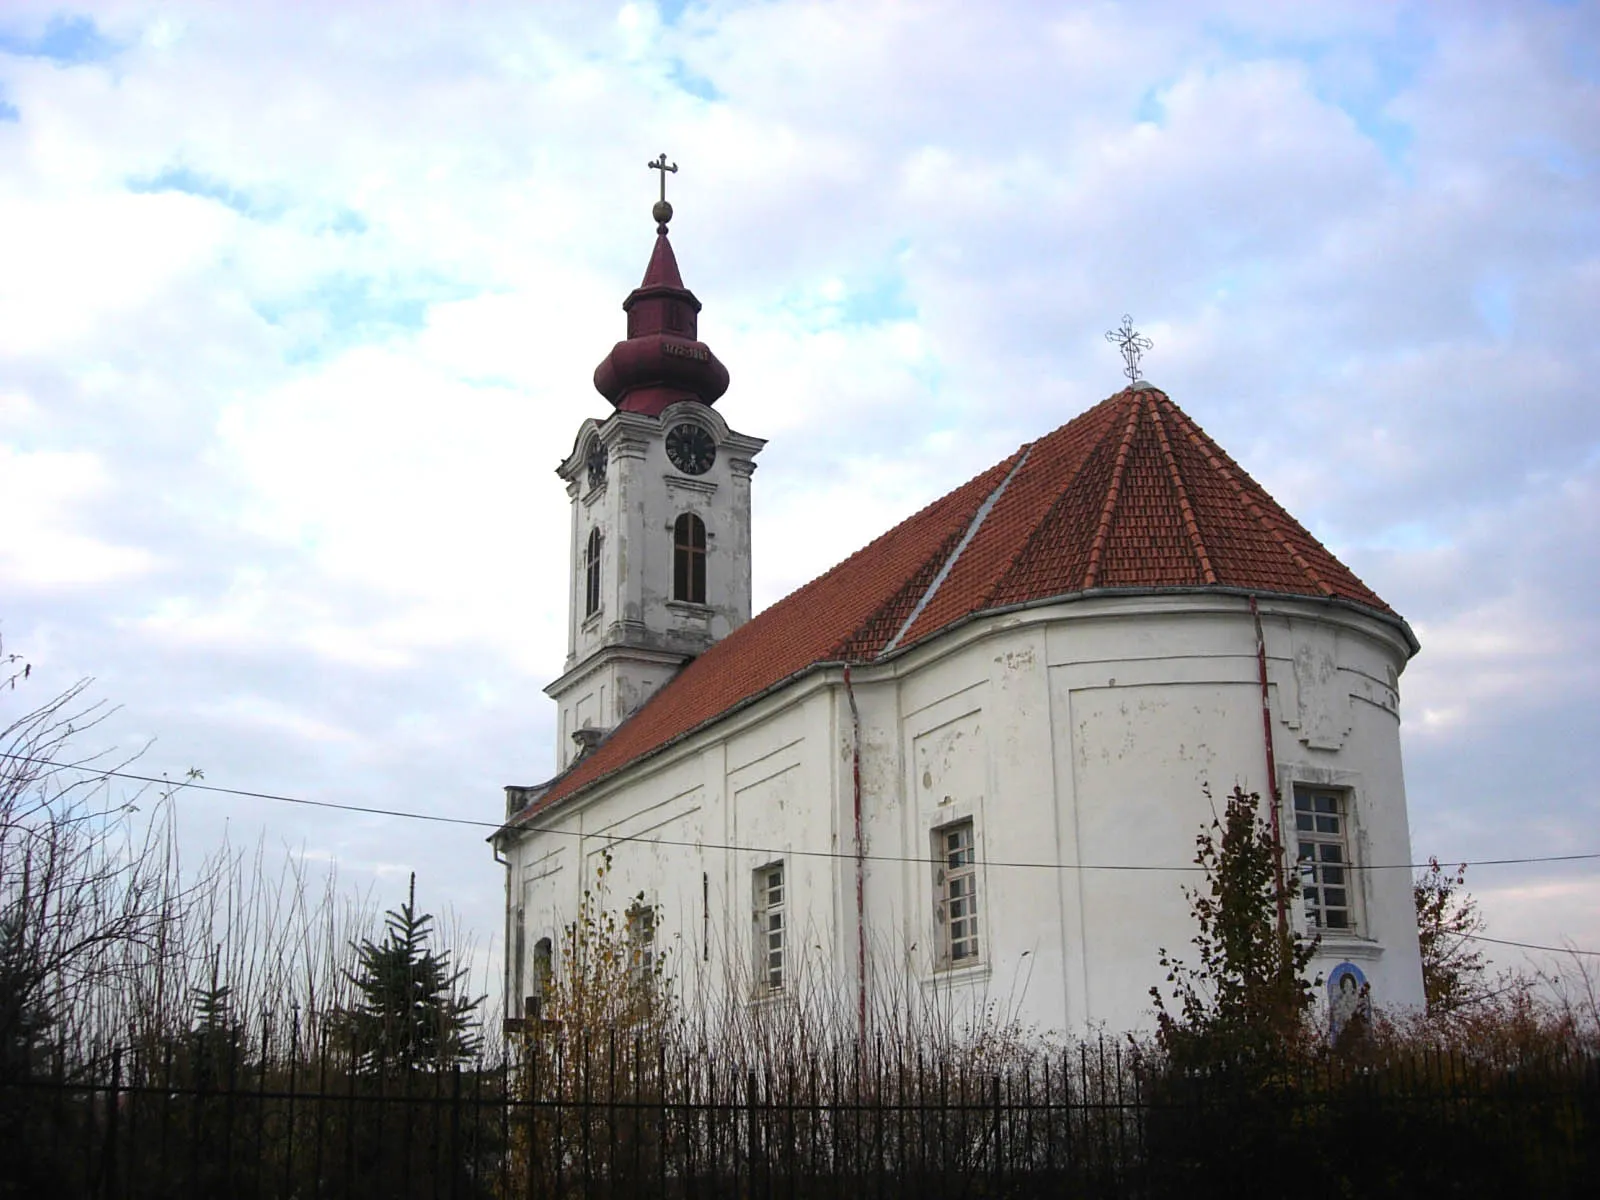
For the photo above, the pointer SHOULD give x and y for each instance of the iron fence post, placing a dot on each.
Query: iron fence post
(112, 1104)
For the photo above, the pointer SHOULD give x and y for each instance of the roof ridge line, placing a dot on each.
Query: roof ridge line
(1109, 508)
(1261, 515)
(950, 562)
(1191, 523)
(1061, 497)
(840, 649)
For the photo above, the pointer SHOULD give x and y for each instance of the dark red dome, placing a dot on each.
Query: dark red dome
(661, 361)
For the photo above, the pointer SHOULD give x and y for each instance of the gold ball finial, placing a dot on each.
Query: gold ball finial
(662, 212)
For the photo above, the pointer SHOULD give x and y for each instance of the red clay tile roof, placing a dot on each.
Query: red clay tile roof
(1129, 495)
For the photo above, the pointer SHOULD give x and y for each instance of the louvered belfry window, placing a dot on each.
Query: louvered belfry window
(957, 879)
(689, 559)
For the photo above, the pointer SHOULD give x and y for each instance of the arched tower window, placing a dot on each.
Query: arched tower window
(689, 559)
(591, 575)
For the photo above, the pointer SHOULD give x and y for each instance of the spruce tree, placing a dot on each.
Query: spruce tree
(411, 1010)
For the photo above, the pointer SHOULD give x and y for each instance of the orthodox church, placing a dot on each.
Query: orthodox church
(967, 765)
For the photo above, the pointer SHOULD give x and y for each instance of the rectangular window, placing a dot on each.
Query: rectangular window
(543, 972)
(956, 884)
(770, 926)
(521, 942)
(1321, 827)
(641, 946)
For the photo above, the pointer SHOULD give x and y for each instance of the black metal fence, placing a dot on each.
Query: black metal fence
(614, 1117)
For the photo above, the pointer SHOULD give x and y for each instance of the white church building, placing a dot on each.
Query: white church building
(962, 765)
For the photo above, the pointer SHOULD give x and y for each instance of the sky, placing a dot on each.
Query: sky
(299, 307)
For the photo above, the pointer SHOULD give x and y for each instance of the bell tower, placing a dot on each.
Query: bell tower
(660, 493)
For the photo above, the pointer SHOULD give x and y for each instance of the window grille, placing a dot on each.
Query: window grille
(521, 951)
(689, 559)
(957, 882)
(1323, 854)
(543, 971)
(770, 927)
(641, 947)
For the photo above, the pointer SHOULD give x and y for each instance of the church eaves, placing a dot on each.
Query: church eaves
(1129, 497)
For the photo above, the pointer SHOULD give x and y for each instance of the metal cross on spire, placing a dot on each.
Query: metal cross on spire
(1131, 343)
(662, 211)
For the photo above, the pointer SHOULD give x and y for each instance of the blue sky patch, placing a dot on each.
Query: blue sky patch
(347, 220)
(345, 310)
(1495, 299)
(874, 296)
(875, 299)
(8, 112)
(194, 183)
(1393, 63)
(1241, 278)
(355, 303)
(66, 41)
(688, 81)
(1560, 159)
(1410, 537)
(1152, 109)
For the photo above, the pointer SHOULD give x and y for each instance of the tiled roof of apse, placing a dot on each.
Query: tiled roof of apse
(1128, 496)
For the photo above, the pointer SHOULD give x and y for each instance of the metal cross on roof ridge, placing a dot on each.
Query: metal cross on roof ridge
(1132, 343)
(661, 164)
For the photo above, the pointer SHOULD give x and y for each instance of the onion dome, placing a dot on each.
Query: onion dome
(661, 361)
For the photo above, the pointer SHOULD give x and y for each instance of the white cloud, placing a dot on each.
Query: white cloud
(78, 263)
(41, 543)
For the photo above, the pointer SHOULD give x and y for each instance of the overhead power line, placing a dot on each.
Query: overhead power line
(1478, 937)
(404, 814)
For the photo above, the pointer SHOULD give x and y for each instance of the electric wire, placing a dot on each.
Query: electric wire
(616, 838)
(1478, 937)
(613, 839)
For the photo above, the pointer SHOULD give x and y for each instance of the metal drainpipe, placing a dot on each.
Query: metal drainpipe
(505, 981)
(861, 865)
(1272, 766)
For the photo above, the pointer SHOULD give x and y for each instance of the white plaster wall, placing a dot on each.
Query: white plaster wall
(763, 783)
(1076, 737)
(1088, 735)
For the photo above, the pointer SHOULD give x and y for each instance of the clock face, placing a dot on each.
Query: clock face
(691, 449)
(596, 463)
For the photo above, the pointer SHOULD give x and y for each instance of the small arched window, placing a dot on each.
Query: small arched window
(591, 575)
(689, 559)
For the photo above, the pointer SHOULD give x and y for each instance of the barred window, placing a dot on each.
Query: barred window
(591, 572)
(956, 884)
(543, 969)
(770, 927)
(1321, 824)
(689, 559)
(641, 946)
(520, 950)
